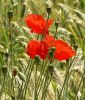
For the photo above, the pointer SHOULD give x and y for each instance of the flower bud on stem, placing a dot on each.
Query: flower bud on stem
(48, 10)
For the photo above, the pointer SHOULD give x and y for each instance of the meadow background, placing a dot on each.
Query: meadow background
(17, 77)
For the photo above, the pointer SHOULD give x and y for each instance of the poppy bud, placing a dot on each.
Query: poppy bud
(72, 38)
(53, 49)
(62, 65)
(51, 52)
(23, 10)
(37, 59)
(4, 70)
(14, 72)
(6, 54)
(56, 24)
(10, 14)
(48, 10)
(67, 61)
(75, 46)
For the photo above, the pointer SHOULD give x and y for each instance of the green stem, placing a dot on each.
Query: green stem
(66, 77)
(27, 71)
(28, 67)
(35, 92)
(81, 81)
(45, 91)
(41, 78)
(41, 73)
(79, 86)
(48, 78)
(2, 86)
(28, 78)
(45, 27)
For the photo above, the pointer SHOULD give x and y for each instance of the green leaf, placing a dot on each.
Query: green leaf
(80, 14)
(21, 76)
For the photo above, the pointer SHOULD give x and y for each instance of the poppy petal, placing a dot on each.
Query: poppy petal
(32, 48)
(38, 24)
(63, 50)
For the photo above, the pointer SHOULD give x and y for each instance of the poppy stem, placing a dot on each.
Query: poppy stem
(27, 80)
(41, 72)
(45, 27)
(28, 74)
(44, 87)
(35, 92)
(48, 77)
(81, 81)
(38, 37)
(26, 71)
(2, 85)
(79, 86)
(41, 77)
(66, 77)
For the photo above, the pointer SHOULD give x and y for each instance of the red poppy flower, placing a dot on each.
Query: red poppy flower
(43, 50)
(49, 40)
(32, 48)
(38, 24)
(36, 47)
(63, 50)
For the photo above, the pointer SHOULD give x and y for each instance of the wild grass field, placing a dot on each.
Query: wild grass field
(42, 49)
